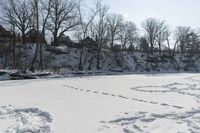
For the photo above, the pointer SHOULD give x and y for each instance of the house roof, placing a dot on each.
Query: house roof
(31, 36)
(3, 32)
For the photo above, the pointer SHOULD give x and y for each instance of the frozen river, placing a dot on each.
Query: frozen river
(141, 103)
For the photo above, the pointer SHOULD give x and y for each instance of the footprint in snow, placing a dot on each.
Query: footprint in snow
(124, 97)
(26, 120)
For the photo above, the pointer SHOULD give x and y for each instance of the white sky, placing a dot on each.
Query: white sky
(174, 12)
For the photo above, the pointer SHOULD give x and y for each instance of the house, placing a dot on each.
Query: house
(89, 43)
(131, 48)
(116, 48)
(5, 38)
(31, 37)
(5, 35)
(65, 40)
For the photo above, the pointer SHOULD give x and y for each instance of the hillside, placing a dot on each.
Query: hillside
(66, 59)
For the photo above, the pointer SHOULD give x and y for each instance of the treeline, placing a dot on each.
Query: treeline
(51, 19)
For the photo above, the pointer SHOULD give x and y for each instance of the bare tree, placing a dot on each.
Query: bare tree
(193, 42)
(41, 11)
(153, 28)
(115, 24)
(16, 15)
(143, 44)
(128, 34)
(181, 35)
(35, 7)
(84, 27)
(167, 34)
(63, 17)
(8, 22)
(100, 27)
(85, 23)
(163, 36)
(19, 13)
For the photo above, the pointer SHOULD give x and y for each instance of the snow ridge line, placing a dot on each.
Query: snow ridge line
(123, 97)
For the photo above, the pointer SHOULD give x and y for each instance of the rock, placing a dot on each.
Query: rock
(4, 76)
(18, 76)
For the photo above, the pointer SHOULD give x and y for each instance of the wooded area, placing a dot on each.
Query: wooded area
(46, 23)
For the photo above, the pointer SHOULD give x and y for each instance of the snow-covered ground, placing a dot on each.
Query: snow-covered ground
(141, 103)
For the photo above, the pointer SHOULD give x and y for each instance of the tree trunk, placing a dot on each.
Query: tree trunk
(98, 58)
(159, 47)
(81, 59)
(23, 37)
(112, 42)
(13, 41)
(168, 46)
(151, 43)
(37, 36)
(90, 63)
(14, 52)
(34, 58)
(41, 58)
(55, 43)
(174, 50)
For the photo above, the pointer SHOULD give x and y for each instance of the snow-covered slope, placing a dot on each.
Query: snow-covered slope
(124, 61)
(63, 58)
(167, 103)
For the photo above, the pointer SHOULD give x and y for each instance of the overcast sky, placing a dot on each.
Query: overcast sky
(174, 12)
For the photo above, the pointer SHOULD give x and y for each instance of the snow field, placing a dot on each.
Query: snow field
(140, 103)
